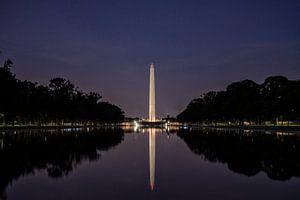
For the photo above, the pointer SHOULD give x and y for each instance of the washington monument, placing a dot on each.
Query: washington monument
(152, 95)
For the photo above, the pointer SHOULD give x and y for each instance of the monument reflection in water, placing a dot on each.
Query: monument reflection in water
(152, 157)
(119, 164)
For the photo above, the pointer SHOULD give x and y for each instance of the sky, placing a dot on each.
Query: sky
(107, 46)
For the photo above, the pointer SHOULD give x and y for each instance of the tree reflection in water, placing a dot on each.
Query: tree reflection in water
(56, 151)
(248, 153)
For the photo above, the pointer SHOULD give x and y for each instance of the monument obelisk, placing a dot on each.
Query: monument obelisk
(152, 95)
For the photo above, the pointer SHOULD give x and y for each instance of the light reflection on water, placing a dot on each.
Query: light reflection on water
(178, 164)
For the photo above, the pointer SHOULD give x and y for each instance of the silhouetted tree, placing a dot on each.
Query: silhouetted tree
(276, 98)
(60, 101)
(8, 88)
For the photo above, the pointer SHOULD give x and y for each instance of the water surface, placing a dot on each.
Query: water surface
(149, 164)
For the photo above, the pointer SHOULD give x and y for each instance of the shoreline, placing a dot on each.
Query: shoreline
(251, 127)
(36, 127)
(242, 127)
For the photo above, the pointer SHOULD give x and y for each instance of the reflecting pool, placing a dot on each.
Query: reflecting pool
(149, 164)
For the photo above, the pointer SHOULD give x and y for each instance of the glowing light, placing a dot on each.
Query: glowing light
(152, 95)
(136, 126)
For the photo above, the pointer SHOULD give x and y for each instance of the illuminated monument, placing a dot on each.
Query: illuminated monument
(152, 95)
(152, 121)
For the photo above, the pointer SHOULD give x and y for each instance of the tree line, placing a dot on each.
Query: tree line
(58, 102)
(57, 154)
(276, 99)
(247, 154)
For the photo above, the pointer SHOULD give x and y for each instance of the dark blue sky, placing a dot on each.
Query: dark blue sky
(106, 46)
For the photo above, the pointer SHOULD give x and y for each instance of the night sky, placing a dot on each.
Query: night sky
(107, 46)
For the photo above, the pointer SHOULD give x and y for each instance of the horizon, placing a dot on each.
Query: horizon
(107, 47)
(160, 117)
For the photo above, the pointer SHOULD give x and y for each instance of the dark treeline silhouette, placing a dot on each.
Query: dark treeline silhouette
(276, 99)
(248, 154)
(57, 152)
(26, 102)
